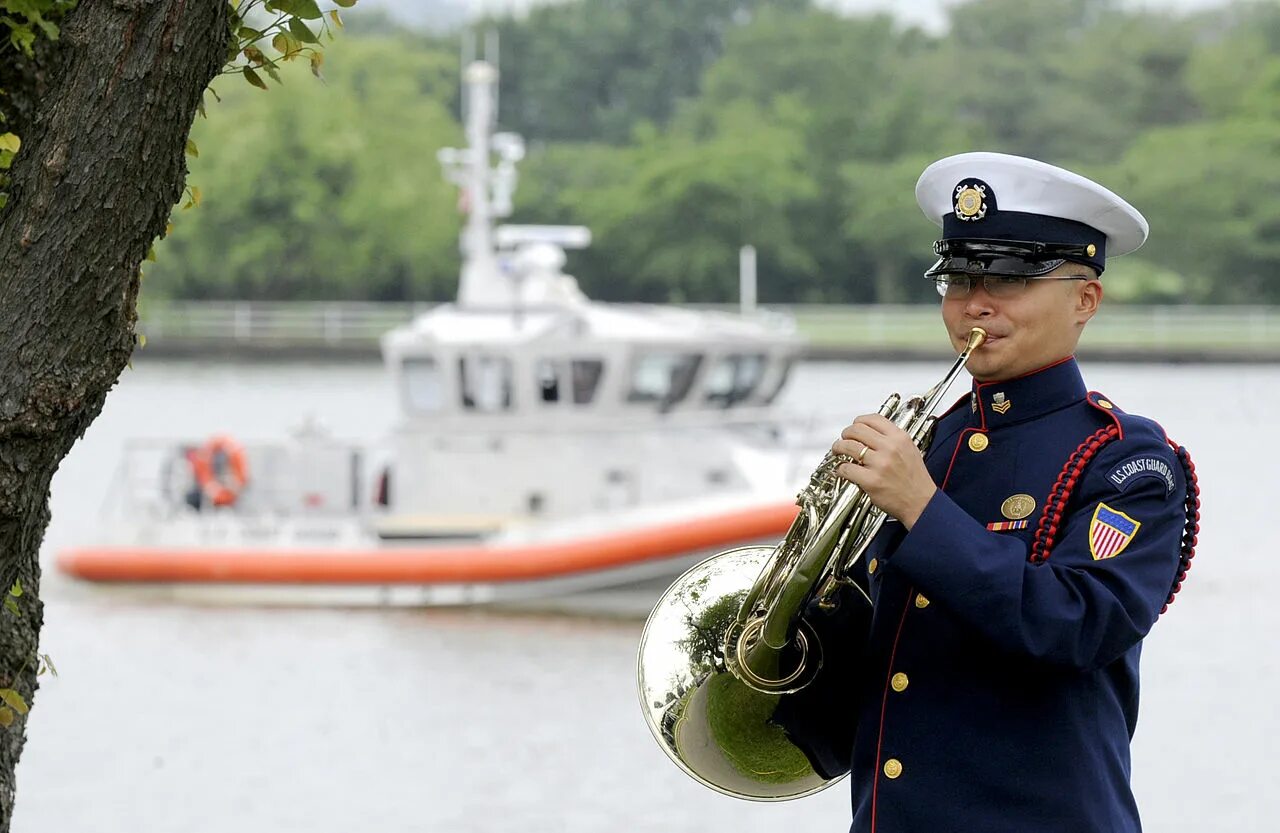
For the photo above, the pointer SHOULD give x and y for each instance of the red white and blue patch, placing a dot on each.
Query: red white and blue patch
(1110, 532)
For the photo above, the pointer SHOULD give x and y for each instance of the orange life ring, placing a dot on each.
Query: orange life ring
(221, 491)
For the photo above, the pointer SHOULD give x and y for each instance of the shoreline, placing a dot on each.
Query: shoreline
(169, 349)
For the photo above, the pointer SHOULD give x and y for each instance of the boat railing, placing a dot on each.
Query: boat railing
(155, 480)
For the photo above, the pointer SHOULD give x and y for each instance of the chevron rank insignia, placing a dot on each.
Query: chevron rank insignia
(1110, 532)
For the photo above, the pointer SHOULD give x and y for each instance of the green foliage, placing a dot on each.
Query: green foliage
(1069, 80)
(593, 70)
(1214, 214)
(740, 720)
(288, 26)
(674, 213)
(681, 131)
(29, 20)
(323, 190)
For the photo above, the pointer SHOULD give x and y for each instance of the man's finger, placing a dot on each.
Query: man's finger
(880, 424)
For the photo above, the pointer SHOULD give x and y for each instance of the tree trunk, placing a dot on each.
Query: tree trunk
(101, 166)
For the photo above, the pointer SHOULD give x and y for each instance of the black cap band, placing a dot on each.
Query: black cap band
(1087, 244)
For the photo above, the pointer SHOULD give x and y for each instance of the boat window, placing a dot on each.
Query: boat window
(547, 373)
(581, 375)
(781, 381)
(734, 377)
(664, 378)
(486, 383)
(586, 375)
(423, 386)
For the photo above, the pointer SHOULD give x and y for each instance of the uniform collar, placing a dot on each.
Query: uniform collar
(1035, 394)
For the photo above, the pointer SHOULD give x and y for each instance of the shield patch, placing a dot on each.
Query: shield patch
(1110, 532)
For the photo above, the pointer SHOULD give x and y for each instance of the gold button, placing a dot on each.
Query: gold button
(978, 442)
(871, 567)
(1102, 403)
(899, 682)
(1092, 250)
(921, 601)
(892, 768)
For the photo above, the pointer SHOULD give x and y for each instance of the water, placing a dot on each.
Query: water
(169, 718)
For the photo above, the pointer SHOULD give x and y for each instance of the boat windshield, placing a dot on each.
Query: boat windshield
(572, 380)
(423, 387)
(663, 377)
(486, 383)
(732, 378)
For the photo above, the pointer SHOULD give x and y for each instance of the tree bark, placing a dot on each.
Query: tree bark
(101, 166)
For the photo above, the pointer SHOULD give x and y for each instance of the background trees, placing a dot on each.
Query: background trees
(683, 132)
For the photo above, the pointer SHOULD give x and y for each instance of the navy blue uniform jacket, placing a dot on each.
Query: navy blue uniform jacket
(998, 690)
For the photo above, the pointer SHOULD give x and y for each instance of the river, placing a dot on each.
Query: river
(183, 718)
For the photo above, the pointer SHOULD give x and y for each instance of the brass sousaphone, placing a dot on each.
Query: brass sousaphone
(729, 641)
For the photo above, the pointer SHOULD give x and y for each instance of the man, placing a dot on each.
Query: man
(1032, 548)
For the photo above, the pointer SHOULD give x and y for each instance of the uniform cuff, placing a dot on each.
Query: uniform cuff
(923, 550)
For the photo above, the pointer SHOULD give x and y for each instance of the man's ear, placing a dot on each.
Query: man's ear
(1088, 299)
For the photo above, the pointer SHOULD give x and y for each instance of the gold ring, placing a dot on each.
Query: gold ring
(862, 453)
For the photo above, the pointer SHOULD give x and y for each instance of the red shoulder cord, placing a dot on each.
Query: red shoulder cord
(1055, 507)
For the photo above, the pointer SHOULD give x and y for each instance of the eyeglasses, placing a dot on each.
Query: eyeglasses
(997, 286)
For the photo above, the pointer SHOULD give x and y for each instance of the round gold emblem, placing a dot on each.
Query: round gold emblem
(1092, 250)
(978, 442)
(1018, 507)
(970, 203)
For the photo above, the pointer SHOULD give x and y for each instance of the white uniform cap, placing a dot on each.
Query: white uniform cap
(1024, 196)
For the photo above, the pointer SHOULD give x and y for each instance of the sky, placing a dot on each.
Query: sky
(927, 13)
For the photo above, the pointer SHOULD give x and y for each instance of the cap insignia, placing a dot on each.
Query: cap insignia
(971, 201)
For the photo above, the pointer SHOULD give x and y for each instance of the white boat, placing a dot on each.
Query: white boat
(547, 444)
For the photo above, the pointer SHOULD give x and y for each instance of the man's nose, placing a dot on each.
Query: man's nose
(979, 304)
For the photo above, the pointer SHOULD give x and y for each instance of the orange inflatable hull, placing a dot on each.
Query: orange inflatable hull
(470, 564)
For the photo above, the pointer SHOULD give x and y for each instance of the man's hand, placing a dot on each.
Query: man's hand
(892, 470)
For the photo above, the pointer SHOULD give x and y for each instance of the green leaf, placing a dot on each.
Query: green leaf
(16, 589)
(192, 150)
(270, 69)
(14, 700)
(10, 142)
(6, 717)
(195, 194)
(12, 606)
(141, 339)
(22, 40)
(248, 33)
(346, 4)
(151, 254)
(336, 18)
(286, 45)
(254, 79)
(49, 662)
(306, 9)
(301, 31)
